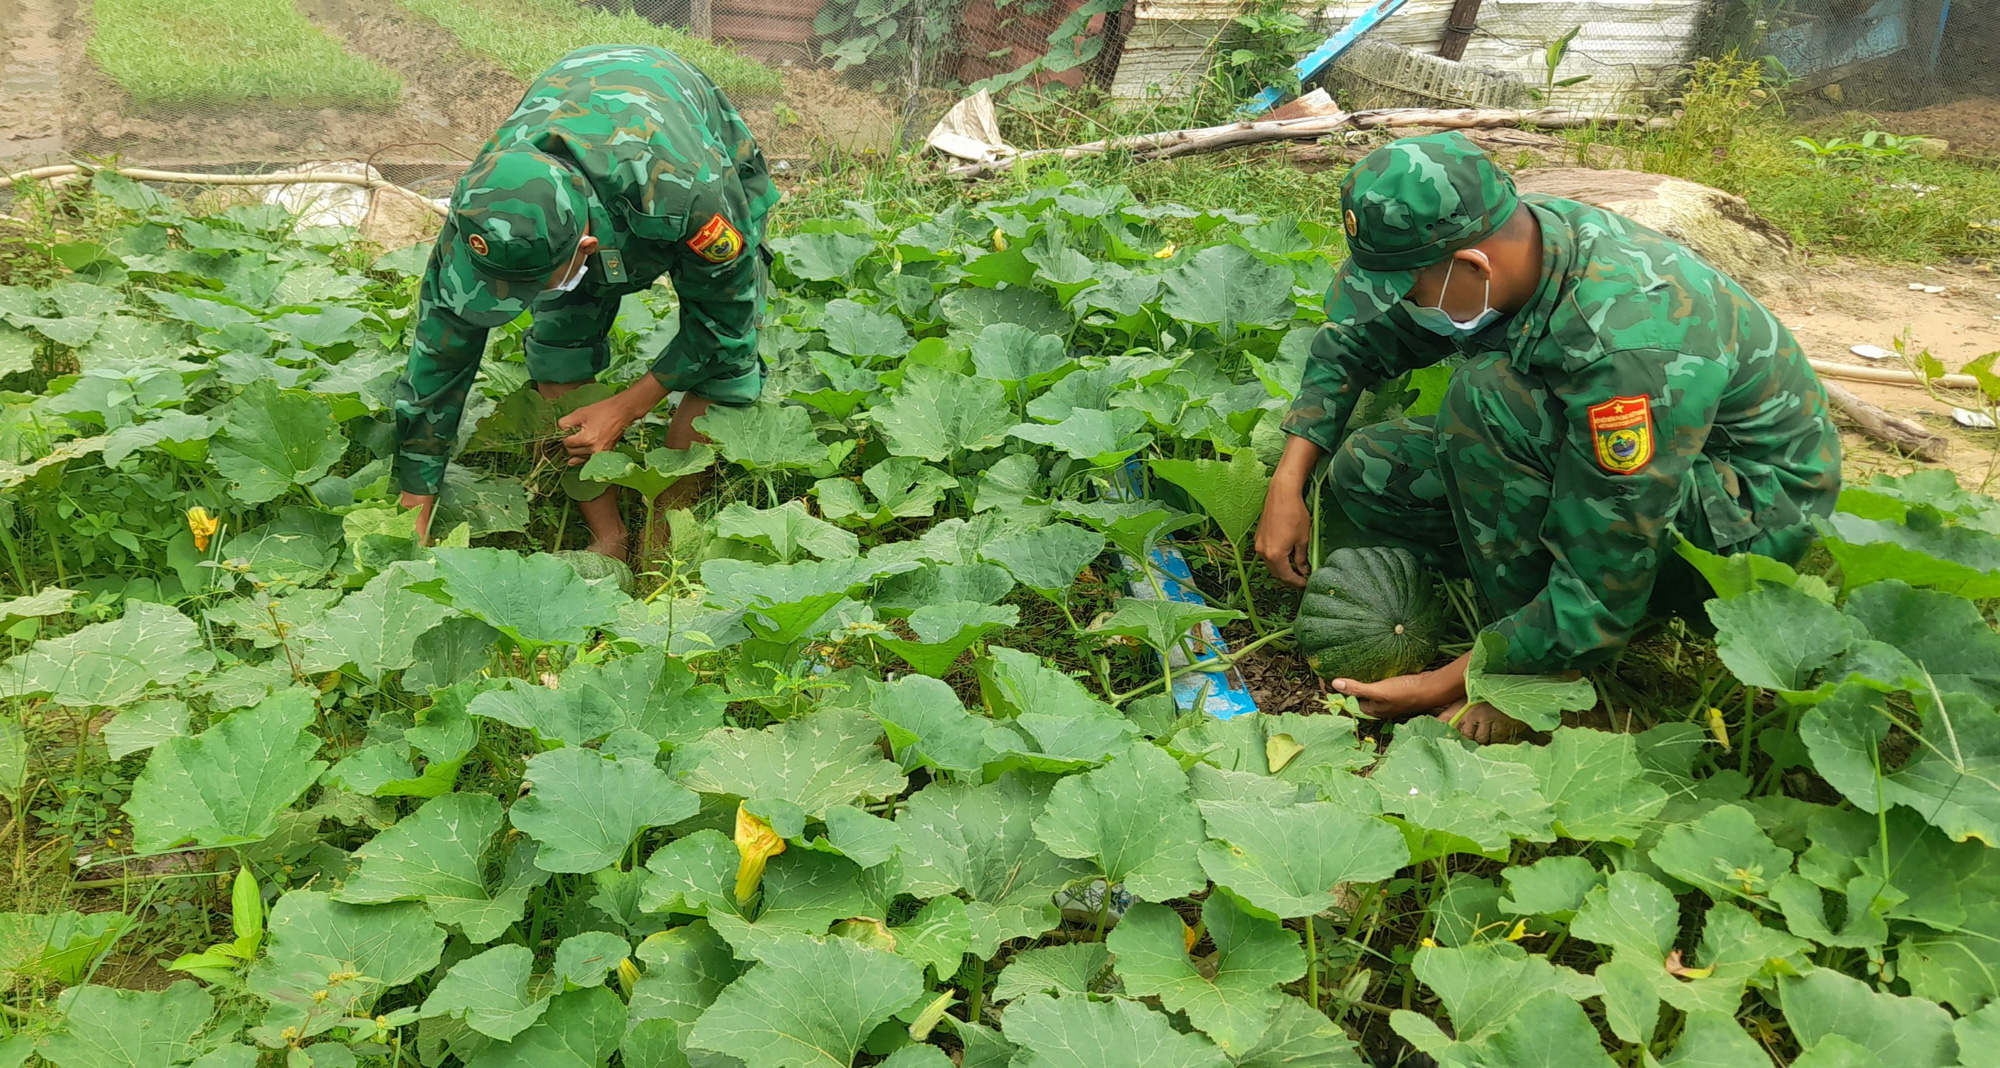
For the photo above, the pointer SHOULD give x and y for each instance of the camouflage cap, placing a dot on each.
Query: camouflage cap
(1407, 205)
(516, 217)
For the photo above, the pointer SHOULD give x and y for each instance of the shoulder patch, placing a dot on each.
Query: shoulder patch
(1621, 431)
(717, 241)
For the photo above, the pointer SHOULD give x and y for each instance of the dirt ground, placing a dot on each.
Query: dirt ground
(1971, 125)
(1852, 305)
(61, 107)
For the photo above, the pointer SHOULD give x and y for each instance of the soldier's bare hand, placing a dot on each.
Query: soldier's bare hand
(1284, 536)
(424, 503)
(1395, 698)
(594, 428)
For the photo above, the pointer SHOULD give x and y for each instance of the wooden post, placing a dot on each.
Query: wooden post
(701, 18)
(1458, 29)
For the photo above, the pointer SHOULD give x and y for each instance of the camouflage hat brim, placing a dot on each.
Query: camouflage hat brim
(488, 301)
(1358, 296)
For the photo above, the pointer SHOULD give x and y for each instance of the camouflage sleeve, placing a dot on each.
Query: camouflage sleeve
(430, 397)
(1346, 360)
(718, 273)
(1636, 421)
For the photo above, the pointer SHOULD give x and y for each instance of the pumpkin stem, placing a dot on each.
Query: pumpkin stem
(1399, 628)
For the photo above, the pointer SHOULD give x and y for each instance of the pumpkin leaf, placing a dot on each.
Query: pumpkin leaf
(1072, 968)
(807, 1004)
(107, 1028)
(110, 664)
(937, 415)
(438, 855)
(1536, 700)
(313, 939)
(1233, 997)
(978, 840)
(274, 439)
(1080, 1033)
(1288, 861)
(1046, 559)
(1231, 492)
(227, 785)
(815, 762)
(1133, 820)
(584, 808)
(944, 631)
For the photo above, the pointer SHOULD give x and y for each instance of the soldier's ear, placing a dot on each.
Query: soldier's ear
(588, 245)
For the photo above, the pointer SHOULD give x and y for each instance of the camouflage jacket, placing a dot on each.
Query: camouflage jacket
(665, 154)
(1651, 358)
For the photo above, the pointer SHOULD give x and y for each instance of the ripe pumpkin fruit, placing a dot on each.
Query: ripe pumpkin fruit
(1368, 614)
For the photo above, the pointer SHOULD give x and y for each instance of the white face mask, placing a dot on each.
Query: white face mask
(581, 270)
(1438, 321)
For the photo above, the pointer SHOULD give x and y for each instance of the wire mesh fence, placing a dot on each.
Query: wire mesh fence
(417, 84)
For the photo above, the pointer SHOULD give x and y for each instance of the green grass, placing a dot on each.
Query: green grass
(231, 51)
(526, 36)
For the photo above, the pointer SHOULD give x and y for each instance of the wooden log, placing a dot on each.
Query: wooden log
(1458, 27)
(1896, 432)
(1170, 144)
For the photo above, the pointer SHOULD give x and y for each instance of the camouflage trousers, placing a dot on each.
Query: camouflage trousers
(1470, 492)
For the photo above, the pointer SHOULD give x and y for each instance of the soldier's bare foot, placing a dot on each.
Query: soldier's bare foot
(1483, 723)
(614, 549)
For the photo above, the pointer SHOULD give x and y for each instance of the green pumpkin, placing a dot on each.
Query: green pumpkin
(595, 567)
(1369, 614)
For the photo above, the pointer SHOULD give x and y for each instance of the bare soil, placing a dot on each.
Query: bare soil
(1852, 305)
(1971, 125)
(31, 82)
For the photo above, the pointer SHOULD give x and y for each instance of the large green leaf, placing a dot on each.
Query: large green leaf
(1315, 752)
(1723, 853)
(1289, 861)
(656, 696)
(374, 630)
(1014, 682)
(1075, 1032)
(567, 715)
(490, 992)
(662, 468)
(1072, 968)
(1943, 636)
(226, 785)
(580, 1029)
(110, 664)
(275, 439)
(1953, 777)
(1537, 700)
(1777, 638)
(1099, 438)
(437, 855)
(1018, 356)
(1232, 996)
(1451, 799)
(786, 601)
(928, 727)
(786, 531)
(1594, 782)
(1232, 492)
(860, 330)
(534, 599)
(944, 631)
(765, 437)
(1923, 550)
(978, 840)
(1161, 624)
(686, 967)
(1508, 1010)
(821, 257)
(351, 952)
(1715, 1040)
(937, 415)
(828, 758)
(1226, 287)
(1302, 1037)
(1908, 1032)
(107, 1028)
(1132, 819)
(807, 1004)
(585, 807)
(1046, 559)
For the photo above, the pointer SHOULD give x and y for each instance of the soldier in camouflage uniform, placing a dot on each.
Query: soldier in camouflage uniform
(1616, 389)
(620, 164)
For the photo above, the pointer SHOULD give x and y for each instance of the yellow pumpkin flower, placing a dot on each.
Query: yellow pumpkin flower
(1167, 253)
(203, 526)
(1519, 931)
(999, 240)
(1718, 728)
(756, 844)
